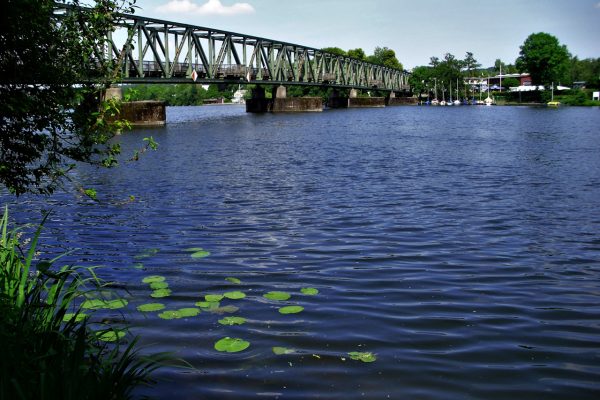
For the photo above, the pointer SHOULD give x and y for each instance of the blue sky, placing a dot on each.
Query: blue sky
(415, 29)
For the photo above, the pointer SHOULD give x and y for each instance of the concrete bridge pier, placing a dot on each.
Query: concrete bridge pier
(394, 100)
(258, 103)
(282, 103)
(138, 113)
(364, 102)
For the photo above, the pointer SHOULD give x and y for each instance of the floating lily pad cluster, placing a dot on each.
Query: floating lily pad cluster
(198, 252)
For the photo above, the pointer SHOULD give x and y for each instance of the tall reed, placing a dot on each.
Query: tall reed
(44, 353)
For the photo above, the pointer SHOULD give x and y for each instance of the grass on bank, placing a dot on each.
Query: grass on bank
(44, 357)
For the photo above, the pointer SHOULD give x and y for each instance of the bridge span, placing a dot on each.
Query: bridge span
(148, 50)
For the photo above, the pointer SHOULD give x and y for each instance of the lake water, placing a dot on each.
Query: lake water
(459, 245)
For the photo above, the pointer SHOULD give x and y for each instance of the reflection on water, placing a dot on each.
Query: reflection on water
(460, 246)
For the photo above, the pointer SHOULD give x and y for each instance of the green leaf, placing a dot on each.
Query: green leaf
(291, 310)
(208, 304)
(213, 297)
(232, 321)
(282, 350)
(366, 357)
(159, 285)
(188, 312)
(78, 317)
(110, 336)
(98, 304)
(230, 345)
(170, 315)
(160, 293)
(150, 307)
(200, 254)
(153, 278)
(278, 296)
(224, 310)
(146, 254)
(233, 280)
(309, 291)
(234, 295)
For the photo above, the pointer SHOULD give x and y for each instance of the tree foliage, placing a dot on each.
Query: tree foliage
(544, 58)
(386, 57)
(51, 115)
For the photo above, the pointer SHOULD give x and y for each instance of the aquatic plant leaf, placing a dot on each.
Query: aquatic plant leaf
(283, 350)
(110, 336)
(160, 293)
(366, 357)
(153, 278)
(146, 254)
(194, 249)
(98, 304)
(200, 254)
(309, 291)
(231, 345)
(138, 266)
(68, 317)
(291, 310)
(188, 312)
(235, 295)
(159, 285)
(213, 297)
(233, 280)
(171, 314)
(151, 307)
(224, 310)
(278, 296)
(232, 321)
(208, 304)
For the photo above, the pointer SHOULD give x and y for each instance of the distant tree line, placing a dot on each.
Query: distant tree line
(187, 94)
(541, 55)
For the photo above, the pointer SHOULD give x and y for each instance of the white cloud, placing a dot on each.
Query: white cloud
(211, 7)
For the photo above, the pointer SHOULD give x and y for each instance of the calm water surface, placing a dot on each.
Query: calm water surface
(461, 246)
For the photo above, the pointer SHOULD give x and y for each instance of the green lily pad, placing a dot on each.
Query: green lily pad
(278, 296)
(291, 310)
(362, 356)
(224, 310)
(159, 285)
(213, 297)
(68, 317)
(194, 249)
(98, 304)
(283, 350)
(153, 278)
(171, 314)
(233, 280)
(230, 345)
(211, 305)
(309, 291)
(110, 336)
(146, 254)
(200, 254)
(160, 293)
(151, 307)
(232, 321)
(235, 295)
(138, 266)
(188, 312)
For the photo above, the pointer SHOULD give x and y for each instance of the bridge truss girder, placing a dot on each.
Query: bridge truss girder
(148, 50)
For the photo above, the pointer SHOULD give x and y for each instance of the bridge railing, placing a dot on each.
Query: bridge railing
(152, 50)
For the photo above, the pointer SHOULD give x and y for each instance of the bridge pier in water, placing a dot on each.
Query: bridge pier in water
(281, 103)
(336, 100)
(139, 113)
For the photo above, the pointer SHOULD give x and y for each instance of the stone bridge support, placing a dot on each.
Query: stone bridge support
(138, 113)
(281, 103)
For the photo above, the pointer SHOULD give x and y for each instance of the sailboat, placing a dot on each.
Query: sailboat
(443, 102)
(457, 101)
(553, 103)
(450, 93)
(435, 101)
(488, 101)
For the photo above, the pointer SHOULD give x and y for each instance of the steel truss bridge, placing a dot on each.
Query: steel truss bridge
(148, 50)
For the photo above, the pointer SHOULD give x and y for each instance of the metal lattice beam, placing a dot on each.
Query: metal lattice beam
(148, 50)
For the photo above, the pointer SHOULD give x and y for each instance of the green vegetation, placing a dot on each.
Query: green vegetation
(187, 94)
(50, 119)
(291, 310)
(48, 350)
(230, 345)
(366, 357)
(544, 58)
